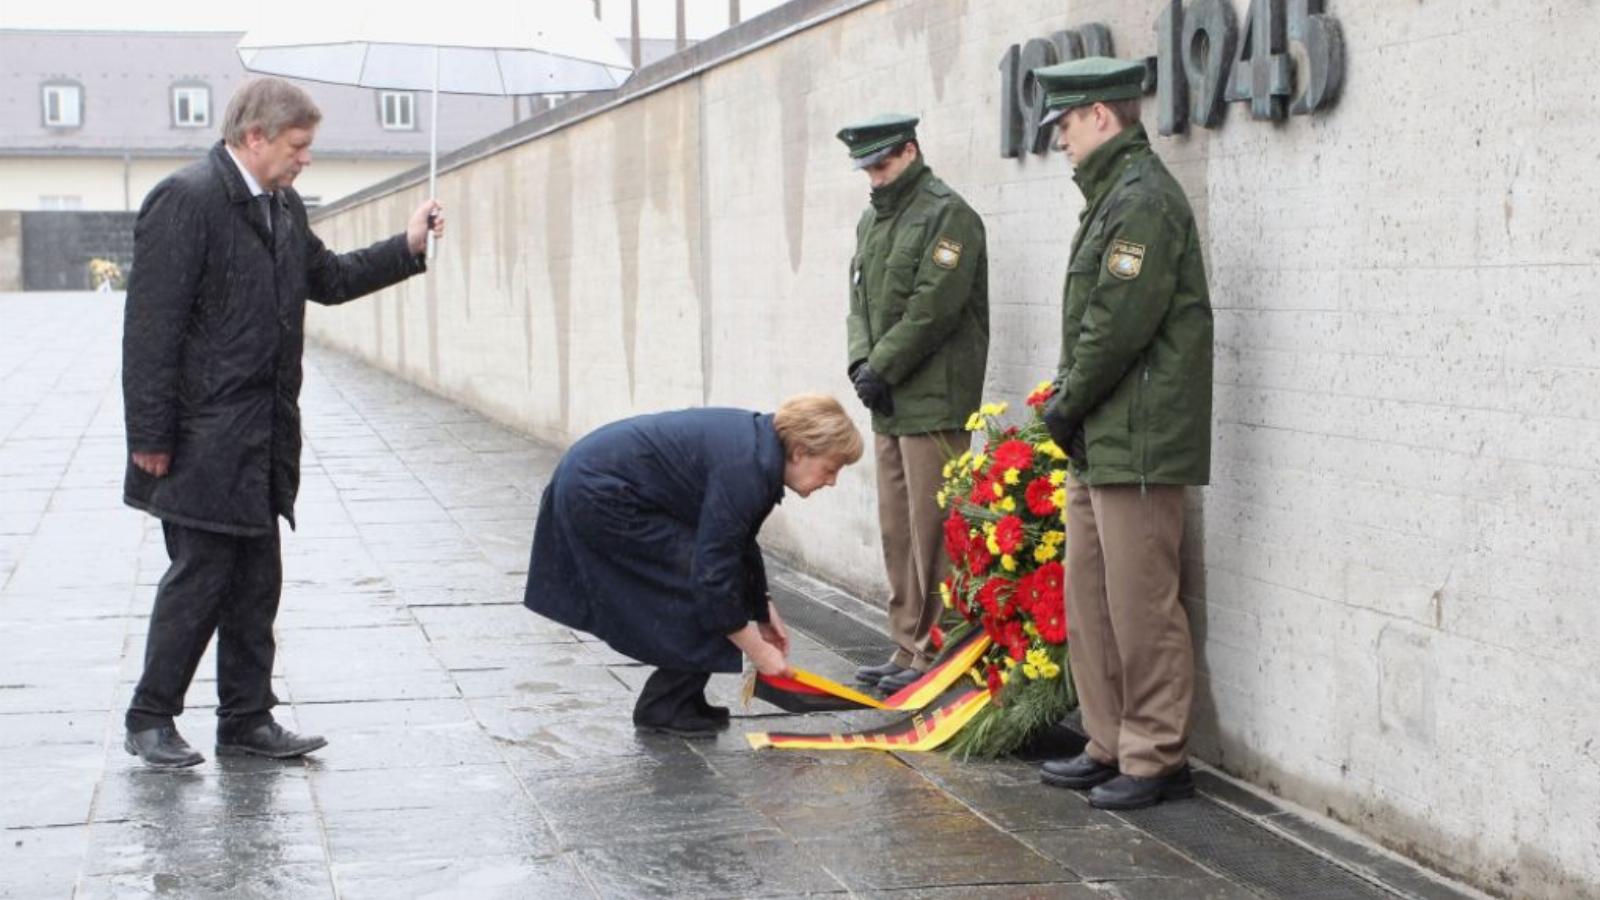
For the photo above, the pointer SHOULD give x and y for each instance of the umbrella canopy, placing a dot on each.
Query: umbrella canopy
(482, 46)
(463, 47)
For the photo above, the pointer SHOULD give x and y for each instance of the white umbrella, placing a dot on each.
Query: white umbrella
(462, 47)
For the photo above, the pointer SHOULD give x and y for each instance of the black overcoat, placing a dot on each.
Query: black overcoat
(212, 337)
(647, 535)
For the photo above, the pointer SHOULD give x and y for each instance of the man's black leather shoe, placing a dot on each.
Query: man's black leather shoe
(1079, 773)
(899, 681)
(161, 747)
(1133, 792)
(270, 740)
(875, 674)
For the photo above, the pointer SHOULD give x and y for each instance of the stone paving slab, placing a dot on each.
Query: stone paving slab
(475, 750)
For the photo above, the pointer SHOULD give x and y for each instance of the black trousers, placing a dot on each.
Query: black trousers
(671, 695)
(217, 584)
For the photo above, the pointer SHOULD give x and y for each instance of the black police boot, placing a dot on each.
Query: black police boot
(270, 740)
(1133, 792)
(1079, 773)
(875, 674)
(162, 748)
(899, 681)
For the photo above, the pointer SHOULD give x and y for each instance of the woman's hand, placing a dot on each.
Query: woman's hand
(768, 659)
(773, 631)
(771, 661)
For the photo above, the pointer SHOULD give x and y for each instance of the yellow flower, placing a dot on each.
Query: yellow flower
(941, 497)
(998, 488)
(1009, 504)
(949, 469)
(1030, 629)
(1051, 449)
(1055, 538)
(1058, 477)
(993, 409)
(1008, 562)
(1010, 663)
(993, 545)
(1042, 385)
(977, 462)
(963, 459)
(975, 422)
(944, 592)
(1030, 670)
(1044, 553)
(1013, 476)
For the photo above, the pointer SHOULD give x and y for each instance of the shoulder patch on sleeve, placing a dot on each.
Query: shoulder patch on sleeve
(1124, 259)
(946, 253)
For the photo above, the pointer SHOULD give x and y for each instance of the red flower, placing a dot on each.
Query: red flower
(1013, 455)
(995, 684)
(1039, 398)
(994, 592)
(1015, 639)
(1052, 626)
(982, 493)
(1008, 534)
(1030, 593)
(1050, 608)
(955, 536)
(1050, 576)
(936, 637)
(1041, 497)
(978, 558)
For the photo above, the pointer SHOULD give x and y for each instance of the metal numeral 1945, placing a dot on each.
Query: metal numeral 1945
(1288, 59)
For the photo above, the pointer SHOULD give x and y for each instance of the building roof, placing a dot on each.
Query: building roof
(127, 80)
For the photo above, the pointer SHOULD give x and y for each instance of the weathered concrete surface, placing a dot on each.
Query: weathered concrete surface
(476, 750)
(1393, 571)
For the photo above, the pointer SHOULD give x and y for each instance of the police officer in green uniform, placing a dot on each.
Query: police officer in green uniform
(919, 341)
(1133, 411)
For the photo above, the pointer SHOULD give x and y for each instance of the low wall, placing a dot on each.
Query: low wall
(1392, 574)
(56, 247)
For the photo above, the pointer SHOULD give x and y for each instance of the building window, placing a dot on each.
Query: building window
(60, 201)
(63, 105)
(398, 111)
(191, 107)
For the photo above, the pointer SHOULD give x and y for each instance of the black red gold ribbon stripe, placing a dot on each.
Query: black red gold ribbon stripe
(923, 730)
(940, 705)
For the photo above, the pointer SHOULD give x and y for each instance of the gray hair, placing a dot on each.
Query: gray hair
(270, 104)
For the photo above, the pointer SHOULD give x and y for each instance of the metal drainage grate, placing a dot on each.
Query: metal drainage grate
(831, 628)
(1251, 855)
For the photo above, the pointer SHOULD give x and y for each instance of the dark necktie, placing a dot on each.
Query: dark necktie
(269, 209)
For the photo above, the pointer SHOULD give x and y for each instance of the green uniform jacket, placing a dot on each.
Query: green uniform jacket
(1136, 326)
(919, 302)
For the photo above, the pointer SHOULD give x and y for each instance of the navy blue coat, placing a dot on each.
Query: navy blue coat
(647, 535)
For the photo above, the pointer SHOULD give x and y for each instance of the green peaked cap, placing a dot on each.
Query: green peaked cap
(1093, 79)
(870, 141)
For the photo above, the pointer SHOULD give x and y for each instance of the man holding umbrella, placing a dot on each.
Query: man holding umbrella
(223, 264)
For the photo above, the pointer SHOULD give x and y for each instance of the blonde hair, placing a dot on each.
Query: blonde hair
(816, 425)
(270, 104)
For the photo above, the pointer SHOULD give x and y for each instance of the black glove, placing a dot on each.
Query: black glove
(873, 390)
(1068, 436)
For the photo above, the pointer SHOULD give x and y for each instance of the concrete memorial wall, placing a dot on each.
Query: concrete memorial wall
(1393, 574)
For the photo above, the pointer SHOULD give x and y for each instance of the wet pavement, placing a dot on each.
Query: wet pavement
(476, 750)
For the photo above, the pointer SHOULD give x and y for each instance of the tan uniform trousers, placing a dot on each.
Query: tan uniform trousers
(1131, 653)
(910, 474)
